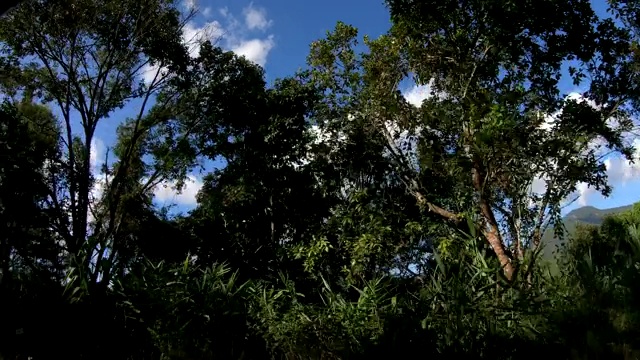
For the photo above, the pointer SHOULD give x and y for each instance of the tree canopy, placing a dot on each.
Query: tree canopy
(346, 220)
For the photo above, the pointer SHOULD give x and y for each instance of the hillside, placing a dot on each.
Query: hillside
(584, 215)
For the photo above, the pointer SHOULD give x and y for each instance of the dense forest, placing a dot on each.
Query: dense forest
(345, 222)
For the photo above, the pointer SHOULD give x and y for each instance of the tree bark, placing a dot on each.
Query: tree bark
(494, 239)
(491, 230)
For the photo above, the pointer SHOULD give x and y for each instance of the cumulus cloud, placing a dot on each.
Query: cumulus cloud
(322, 135)
(255, 50)
(405, 141)
(100, 182)
(229, 33)
(238, 39)
(164, 192)
(256, 18)
(621, 170)
(237, 35)
(584, 193)
(167, 192)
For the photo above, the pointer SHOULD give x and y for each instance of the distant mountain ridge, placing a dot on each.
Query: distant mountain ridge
(587, 215)
(593, 215)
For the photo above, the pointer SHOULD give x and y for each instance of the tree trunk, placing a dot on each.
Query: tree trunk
(491, 230)
(498, 248)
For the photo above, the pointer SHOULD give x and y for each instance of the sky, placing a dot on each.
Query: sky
(276, 35)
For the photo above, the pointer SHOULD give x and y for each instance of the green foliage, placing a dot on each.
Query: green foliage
(28, 135)
(335, 328)
(346, 222)
(188, 311)
(477, 141)
(600, 268)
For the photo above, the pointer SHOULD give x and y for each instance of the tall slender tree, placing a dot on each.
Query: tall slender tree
(91, 58)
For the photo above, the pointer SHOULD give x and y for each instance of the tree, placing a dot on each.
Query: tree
(30, 267)
(90, 58)
(479, 139)
(257, 204)
(28, 135)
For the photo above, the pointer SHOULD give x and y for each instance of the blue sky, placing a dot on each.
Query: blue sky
(277, 34)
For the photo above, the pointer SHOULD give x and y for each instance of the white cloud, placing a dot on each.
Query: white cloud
(255, 50)
(234, 34)
(619, 170)
(101, 181)
(539, 185)
(320, 136)
(96, 153)
(256, 18)
(95, 195)
(97, 159)
(417, 94)
(166, 192)
(148, 73)
(550, 119)
(152, 73)
(190, 4)
(584, 192)
(192, 36)
(231, 34)
(548, 122)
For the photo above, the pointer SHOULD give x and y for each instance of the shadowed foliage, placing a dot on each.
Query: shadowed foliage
(341, 220)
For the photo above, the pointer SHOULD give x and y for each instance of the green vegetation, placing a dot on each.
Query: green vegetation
(586, 215)
(346, 222)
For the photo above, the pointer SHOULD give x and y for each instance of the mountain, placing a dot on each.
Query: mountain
(584, 215)
(592, 215)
